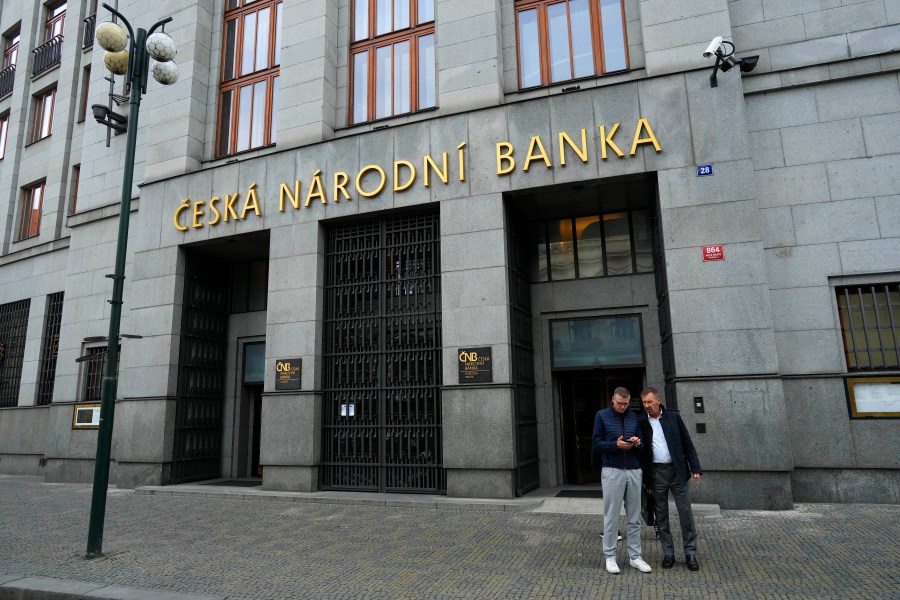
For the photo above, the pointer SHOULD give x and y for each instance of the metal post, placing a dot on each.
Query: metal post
(137, 79)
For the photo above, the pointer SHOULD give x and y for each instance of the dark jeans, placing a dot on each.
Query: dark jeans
(663, 481)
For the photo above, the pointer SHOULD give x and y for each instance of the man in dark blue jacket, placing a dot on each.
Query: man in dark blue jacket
(669, 461)
(617, 436)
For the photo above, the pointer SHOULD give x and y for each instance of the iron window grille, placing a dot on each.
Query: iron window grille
(49, 348)
(92, 366)
(13, 328)
(47, 55)
(870, 323)
(90, 25)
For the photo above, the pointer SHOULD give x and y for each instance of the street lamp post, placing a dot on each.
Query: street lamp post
(133, 63)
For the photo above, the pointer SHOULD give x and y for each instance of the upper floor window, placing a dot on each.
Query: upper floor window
(392, 62)
(4, 130)
(32, 200)
(56, 20)
(870, 322)
(593, 246)
(11, 49)
(43, 114)
(561, 40)
(248, 92)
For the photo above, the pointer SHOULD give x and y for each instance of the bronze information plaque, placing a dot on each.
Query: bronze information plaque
(475, 365)
(287, 374)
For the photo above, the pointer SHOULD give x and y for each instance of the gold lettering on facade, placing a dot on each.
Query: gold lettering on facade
(505, 155)
(399, 187)
(442, 175)
(215, 211)
(607, 140)
(362, 173)
(581, 151)
(251, 202)
(651, 139)
(340, 185)
(536, 142)
(198, 212)
(294, 198)
(461, 151)
(315, 189)
(185, 204)
(229, 206)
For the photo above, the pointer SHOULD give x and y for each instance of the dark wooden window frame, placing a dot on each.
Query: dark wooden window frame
(234, 84)
(85, 91)
(544, 40)
(76, 176)
(28, 226)
(372, 43)
(4, 133)
(52, 20)
(11, 48)
(38, 117)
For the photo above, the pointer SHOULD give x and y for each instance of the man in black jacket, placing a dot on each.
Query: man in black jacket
(669, 461)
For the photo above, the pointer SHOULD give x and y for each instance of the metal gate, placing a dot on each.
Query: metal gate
(382, 357)
(13, 326)
(522, 361)
(201, 372)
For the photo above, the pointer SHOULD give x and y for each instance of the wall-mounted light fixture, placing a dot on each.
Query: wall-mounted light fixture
(106, 116)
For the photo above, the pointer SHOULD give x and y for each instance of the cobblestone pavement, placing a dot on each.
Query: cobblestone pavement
(268, 549)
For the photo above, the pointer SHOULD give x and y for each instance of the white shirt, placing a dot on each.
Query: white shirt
(660, 448)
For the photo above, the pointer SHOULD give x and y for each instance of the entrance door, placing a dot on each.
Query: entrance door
(582, 394)
(381, 426)
(255, 468)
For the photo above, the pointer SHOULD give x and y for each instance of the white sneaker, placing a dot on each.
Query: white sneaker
(612, 567)
(639, 564)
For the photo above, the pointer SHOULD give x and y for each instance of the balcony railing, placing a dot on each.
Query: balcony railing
(47, 55)
(90, 24)
(7, 78)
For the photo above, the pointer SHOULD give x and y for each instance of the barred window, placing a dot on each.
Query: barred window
(248, 92)
(561, 40)
(392, 61)
(91, 368)
(870, 322)
(49, 348)
(13, 326)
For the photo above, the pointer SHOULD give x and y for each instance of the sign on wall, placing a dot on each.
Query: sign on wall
(715, 252)
(287, 374)
(86, 416)
(475, 365)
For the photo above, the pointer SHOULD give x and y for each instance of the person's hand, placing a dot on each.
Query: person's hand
(623, 443)
(636, 441)
(696, 475)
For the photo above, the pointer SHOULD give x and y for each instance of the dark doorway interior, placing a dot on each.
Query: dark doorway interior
(582, 394)
(256, 395)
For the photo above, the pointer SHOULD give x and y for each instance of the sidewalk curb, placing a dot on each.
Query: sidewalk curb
(15, 587)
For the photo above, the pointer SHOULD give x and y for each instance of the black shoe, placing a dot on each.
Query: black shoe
(668, 561)
(692, 563)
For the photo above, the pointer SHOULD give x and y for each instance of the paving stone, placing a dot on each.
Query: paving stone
(185, 546)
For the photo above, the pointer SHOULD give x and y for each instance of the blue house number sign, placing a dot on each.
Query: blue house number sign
(704, 170)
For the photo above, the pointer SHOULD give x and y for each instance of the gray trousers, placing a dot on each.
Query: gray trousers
(664, 480)
(621, 485)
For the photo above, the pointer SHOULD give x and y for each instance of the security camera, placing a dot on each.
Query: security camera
(713, 46)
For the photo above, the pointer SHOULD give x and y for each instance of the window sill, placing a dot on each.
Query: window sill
(32, 143)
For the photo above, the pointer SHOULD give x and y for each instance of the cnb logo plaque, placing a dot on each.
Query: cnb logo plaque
(287, 374)
(475, 365)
